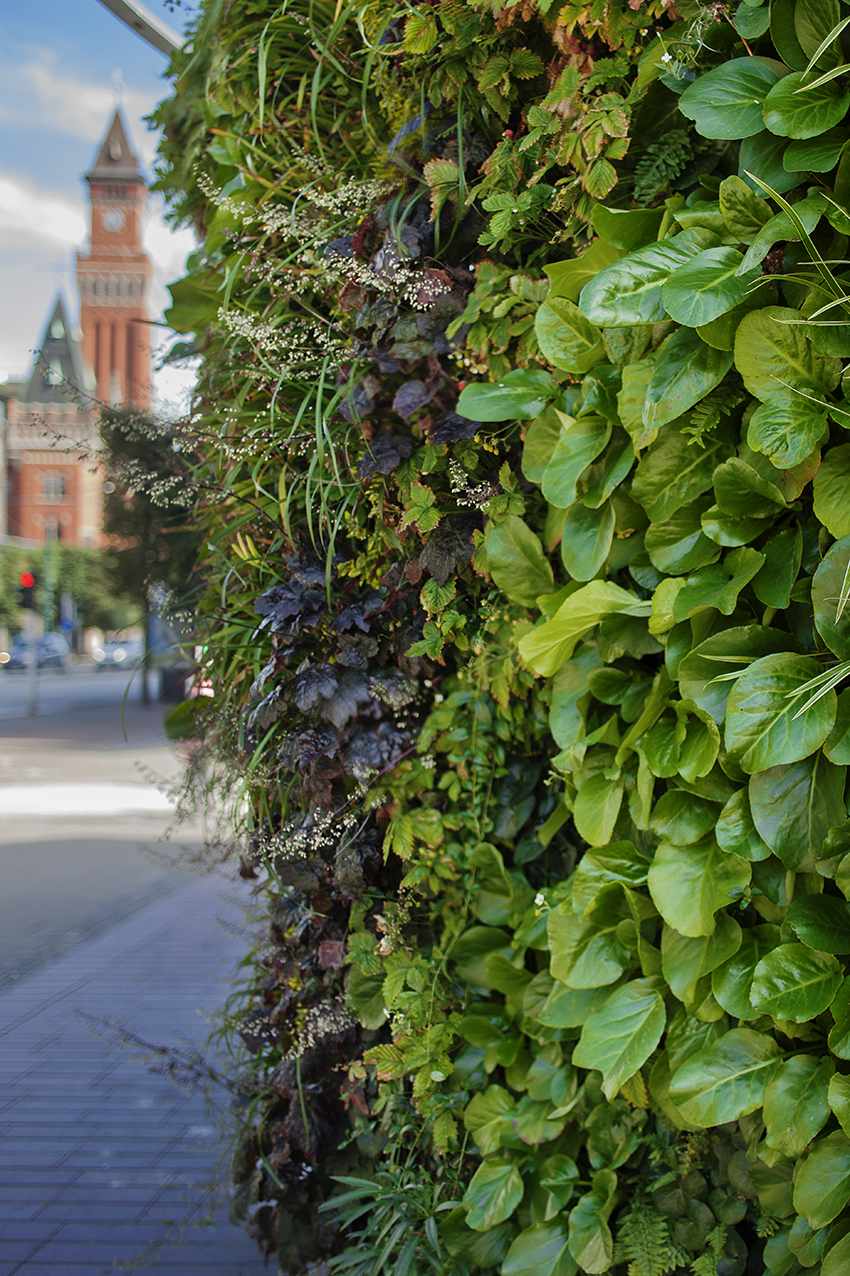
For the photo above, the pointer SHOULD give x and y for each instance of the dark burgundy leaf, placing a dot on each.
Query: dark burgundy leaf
(449, 544)
(360, 399)
(312, 684)
(414, 395)
(450, 428)
(343, 247)
(384, 454)
(341, 704)
(358, 614)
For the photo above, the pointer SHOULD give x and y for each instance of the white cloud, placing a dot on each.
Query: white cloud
(32, 214)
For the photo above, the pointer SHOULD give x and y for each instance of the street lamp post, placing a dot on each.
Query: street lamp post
(146, 24)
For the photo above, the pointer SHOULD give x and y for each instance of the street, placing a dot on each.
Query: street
(66, 692)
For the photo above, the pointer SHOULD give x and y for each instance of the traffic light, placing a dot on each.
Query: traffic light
(28, 582)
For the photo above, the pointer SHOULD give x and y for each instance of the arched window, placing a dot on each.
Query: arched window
(53, 487)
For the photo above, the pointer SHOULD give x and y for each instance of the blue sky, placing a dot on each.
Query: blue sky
(60, 62)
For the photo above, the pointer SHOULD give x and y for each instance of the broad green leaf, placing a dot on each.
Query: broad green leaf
(784, 36)
(597, 806)
(742, 492)
(744, 213)
(761, 729)
(567, 278)
(672, 472)
(682, 818)
(717, 585)
(541, 1250)
(720, 333)
(480, 1249)
(701, 745)
(609, 470)
(838, 1097)
(727, 102)
(688, 884)
(661, 745)
(750, 22)
(566, 338)
(707, 286)
(772, 354)
(822, 1188)
(726, 652)
(517, 562)
(837, 746)
(817, 154)
(619, 1038)
(822, 922)
(684, 959)
(793, 982)
(627, 228)
(732, 530)
(493, 1194)
(616, 862)
(484, 1117)
(546, 648)
(735, 831)
(678, 545)
(568, 686)
(629, 290)
(782, 555)
(780, 229)
(540, 441)
(832, 491)
(837, 1261)
(587, 951)
(806, 113)
(687, 371)
(580, 442)
(726, 1080)
(795, 806)
(795, 1103)
(571, 1007)
(591, 1242)
(815, 22)
(839, 1035)
(786, 428)
(631, 398)
(535, 1123)
(586, 539)
(519, 395)
(731, 981)
(760, 157)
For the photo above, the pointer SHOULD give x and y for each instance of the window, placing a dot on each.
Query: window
(52, 530)
(57, 329)
(53, 487)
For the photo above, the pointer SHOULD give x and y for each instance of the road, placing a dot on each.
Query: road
(78, 799)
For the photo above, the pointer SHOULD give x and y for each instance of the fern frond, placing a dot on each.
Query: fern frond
(643, 1241)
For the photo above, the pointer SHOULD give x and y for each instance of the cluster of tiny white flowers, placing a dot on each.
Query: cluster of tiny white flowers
(321, 1022)
(208, 188)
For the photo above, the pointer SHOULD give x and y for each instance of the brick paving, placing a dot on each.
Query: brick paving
(105, 1167)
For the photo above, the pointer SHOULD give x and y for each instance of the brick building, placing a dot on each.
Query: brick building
(49, 422)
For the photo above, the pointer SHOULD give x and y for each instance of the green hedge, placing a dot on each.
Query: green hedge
(523, 422)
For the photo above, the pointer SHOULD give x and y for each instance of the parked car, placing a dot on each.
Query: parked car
(52, 651)
(117, 655)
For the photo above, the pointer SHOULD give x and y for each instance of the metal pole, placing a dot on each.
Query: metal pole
(32, 707)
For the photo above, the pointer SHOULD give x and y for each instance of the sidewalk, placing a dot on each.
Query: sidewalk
(102, 1163)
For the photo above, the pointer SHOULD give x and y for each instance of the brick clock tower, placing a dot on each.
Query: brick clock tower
(114, 277)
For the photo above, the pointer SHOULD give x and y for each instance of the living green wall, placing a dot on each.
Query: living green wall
(523, 428)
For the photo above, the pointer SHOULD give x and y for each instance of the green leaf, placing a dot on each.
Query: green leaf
(541, 1250)
(580, 443)
(814, 22)
(684, 959)
(793, 982)
(772, 354)
(760, 158)
(571, 1007)
(567, 278)
(493, 1194)
(727, 102)
(817, 154)
(671, 473)
(566, 338)
(616, 862)
(586, 539)
(837, 1261)
(546, 648)
(619, 1038)
(610, 470)
(688, 884)
(678, 545)
(795, 806)
(627, 228)
(717, 585)
(540, 441)
(682, 818)
(828, 588)
(794, 109)
(781, 228)
(761, 728)
(726, 1080)
(365, 996)
(744, 213)
(707, 286)
(735, 831)
(517, 562)
(751, 23)
(591, 1242)
(775, 579)
(822, 922)
(485, 1118)
(822, 1187)
(832, 491)
(629, 290)
(731, 981)
(838, 1097)
(687, 371)
(784, 36)
(518, 395)
(631, 398)
(597, 806)
(420, 32)
(741, 491)
(837, 747)
(786, 428)
(587, 951)
(726, 652)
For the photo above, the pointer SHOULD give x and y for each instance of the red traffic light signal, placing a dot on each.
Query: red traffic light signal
(27, 579)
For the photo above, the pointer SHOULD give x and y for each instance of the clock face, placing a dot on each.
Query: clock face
(112, 219)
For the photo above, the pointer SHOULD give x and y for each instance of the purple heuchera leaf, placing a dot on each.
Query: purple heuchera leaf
(451, 427)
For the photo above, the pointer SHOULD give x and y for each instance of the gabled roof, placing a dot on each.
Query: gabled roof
(57, 370)
(115, 156)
